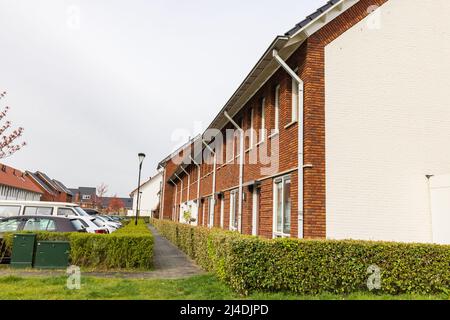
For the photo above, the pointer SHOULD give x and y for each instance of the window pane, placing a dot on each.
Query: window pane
(9, 225)
(65, 212)
(36, 224)
(9, 211)
(279, 204)
(287, 207)
(37, 211)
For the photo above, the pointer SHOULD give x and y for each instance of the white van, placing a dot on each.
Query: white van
(9, 208)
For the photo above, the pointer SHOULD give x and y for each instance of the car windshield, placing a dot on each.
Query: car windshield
(81, 212)
(98, 222)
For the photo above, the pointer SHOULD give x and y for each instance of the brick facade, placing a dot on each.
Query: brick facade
(309, 60)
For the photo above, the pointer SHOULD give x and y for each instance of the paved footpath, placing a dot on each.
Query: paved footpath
(168, 263)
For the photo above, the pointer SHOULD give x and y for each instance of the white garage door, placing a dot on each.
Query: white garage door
(440, 208)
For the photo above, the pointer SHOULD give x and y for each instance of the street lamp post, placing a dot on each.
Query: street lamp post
(141, 159)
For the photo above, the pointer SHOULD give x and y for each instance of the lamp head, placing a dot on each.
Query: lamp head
(141, 157)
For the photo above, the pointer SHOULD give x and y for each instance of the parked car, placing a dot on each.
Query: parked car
(91, 212)
(108, 223)
(31, 208)
(40, 223)
(36, 223)
(92, 225)
(112, 220)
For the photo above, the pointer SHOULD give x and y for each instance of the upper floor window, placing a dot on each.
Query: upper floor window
(277, 109)
(263, 120)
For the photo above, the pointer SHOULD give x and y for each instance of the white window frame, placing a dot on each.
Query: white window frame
(263, 120)
(282, 180)
(234, 197)
(222, 211)
(211, 212)
(252, 138)
(277, 109)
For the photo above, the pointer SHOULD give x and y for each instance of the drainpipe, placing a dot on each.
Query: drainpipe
(181, 192)
(301, 164)
(189, 182)
(241, 168)
(198, 184)
(175, 199)
(214, 177)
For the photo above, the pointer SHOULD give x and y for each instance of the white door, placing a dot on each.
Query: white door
(440, 208)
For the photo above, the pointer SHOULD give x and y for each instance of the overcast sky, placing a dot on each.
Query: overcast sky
(94, 82)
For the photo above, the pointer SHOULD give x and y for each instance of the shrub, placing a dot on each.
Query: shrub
(312, 266)
(130, 247)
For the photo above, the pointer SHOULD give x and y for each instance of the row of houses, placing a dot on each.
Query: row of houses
(38, 186)
(347, 116)
(31, 186)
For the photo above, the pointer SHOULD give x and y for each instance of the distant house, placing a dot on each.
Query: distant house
(16, 185)
(52, 190)
(86, 197)
(127, 203)
(149, 197)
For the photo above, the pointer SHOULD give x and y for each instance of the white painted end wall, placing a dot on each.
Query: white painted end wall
(387, 121)
(149, 198)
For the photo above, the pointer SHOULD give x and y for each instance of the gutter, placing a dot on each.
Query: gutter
(241, 168)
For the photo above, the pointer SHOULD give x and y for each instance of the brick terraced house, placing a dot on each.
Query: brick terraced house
(352, 107)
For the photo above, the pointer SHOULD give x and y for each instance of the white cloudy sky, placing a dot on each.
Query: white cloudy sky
(94, 94)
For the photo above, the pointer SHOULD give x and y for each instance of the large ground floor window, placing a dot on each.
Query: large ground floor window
(282, 207)
(234, 203)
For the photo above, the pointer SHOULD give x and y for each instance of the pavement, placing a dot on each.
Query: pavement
(168, 263)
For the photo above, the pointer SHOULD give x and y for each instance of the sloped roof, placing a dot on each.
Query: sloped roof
(311, 17)
(17, 179)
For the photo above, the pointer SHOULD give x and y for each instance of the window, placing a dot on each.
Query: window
(295, 99)
(211, 211)
(222, 209)
(83, 223)
(263, 120)
(9, 225)
(277, 109)
(251, 128)
(38, 211)
(37, 224)
(9, 211)
(86, 197)
(234, 203)
(230, 146)
(65, 212)
(77, 224)
(282, 207)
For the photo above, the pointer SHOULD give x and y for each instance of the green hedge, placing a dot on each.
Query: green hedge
(312, 266)
(130, 247)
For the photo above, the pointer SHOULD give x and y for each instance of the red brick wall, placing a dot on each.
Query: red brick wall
(309, 59)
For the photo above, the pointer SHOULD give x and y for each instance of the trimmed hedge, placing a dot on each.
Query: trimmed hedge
(130, 247)
(312, 266)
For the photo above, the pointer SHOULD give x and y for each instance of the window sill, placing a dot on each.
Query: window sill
(290, 124)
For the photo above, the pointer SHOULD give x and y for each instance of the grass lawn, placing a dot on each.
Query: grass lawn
(204, 287)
